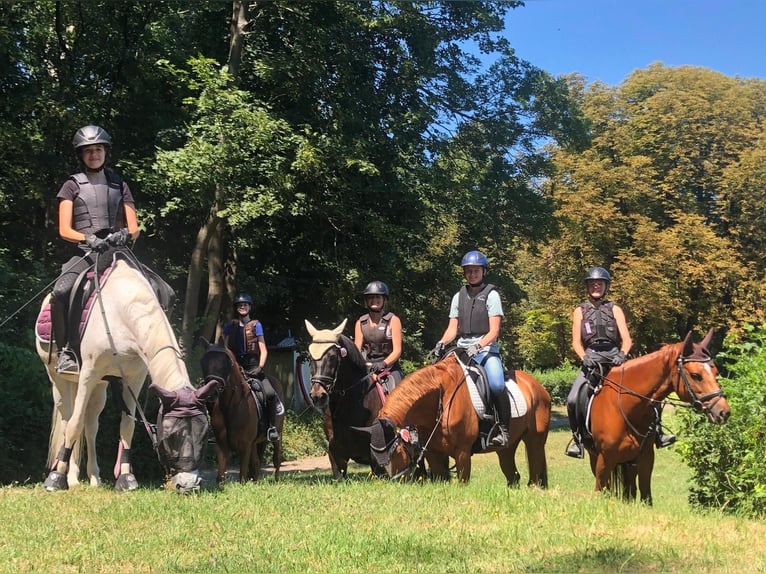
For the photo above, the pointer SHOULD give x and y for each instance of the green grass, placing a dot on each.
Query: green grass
(309, 523)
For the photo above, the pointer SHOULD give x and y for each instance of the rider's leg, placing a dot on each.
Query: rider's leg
(271, 400)
(574, 448)
(493, 366)
(661, 440)
(67, 361)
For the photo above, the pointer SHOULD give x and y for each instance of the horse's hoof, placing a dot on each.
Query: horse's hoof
(126, 483)
(56, 481)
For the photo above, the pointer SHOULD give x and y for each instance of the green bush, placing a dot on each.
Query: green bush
(728, 462)
(557, 382)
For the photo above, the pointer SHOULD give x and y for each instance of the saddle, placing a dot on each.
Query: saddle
(585, 401)
(260, 405)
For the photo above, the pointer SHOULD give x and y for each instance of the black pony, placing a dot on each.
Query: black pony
(341, 384)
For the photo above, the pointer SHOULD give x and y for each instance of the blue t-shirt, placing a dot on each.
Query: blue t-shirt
(494, 308)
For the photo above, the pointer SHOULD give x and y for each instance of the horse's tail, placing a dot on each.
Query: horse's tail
(616, 484)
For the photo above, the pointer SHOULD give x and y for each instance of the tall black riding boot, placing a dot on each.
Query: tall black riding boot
(67, 362)
(574, 448)
(272, 434)
(661, 440)
(503, 415)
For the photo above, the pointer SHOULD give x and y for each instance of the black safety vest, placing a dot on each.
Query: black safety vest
(473, 317)
(96, 207)
(376, 341)
(599, 327)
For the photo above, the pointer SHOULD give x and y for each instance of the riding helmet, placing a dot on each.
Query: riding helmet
(242, 298)
(596, 273)
(376, 288)
(90, 135)
(475, 258)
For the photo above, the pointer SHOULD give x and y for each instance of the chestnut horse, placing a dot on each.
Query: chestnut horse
(340, 381)
(435, 402)
(623, 414)
(237, 422)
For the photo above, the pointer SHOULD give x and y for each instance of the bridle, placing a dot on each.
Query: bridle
(704, 403)
(328, 383)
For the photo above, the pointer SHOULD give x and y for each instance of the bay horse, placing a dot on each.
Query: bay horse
(126, 336)
(431, 414)
(238, 423)
(623, 415)
(342, 386)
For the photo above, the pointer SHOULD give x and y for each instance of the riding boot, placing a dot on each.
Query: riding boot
(503, 416)
(661, 440)
(574, 448)
(270, 397)
(67, 361)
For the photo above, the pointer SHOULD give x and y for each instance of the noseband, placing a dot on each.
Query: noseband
(703, 403)
(327, 383)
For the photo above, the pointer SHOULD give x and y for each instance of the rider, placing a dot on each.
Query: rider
(600, 336)
(249, 346)
(379, 335)
(96, 210)
(475, 315)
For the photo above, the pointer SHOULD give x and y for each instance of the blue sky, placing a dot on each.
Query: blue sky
(607, 39)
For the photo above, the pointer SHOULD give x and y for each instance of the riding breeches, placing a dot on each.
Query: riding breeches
(69, 272)
(493, 366)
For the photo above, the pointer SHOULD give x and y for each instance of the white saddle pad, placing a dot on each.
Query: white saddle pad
(518, 402)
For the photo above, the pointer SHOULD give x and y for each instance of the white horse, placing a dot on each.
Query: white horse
(127, 335)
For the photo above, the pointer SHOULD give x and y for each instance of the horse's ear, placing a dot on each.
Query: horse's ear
(207, 391)
(688, 349)
(337, 331)
(705, 343)
(310, 328)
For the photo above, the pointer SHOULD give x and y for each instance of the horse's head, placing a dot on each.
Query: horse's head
(217, 364)
(182, 428)
(698, 380)
(326, 354)
(397, 450)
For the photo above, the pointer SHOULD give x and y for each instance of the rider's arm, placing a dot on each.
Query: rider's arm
(396, 341)
(131, 220)
(66, 231)
(450, 332)
(577, 345)
(622, 327)
(358, 337)
(264, 352)
(494, 331)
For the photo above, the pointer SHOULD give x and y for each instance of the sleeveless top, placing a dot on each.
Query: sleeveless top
(377, 343)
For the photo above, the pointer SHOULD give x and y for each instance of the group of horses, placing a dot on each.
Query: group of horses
(429, 418)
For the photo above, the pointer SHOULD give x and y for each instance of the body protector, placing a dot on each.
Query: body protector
(599, 327)
(98, 208)
(245, 343)
(377, 343)
(473, 319)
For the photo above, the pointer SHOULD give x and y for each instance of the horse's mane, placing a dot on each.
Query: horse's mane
(354, 355)
(414, 387)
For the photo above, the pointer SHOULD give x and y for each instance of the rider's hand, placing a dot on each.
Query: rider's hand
(438, 350)
(256, 372)
(619, 358)
(118, 238)
(96, 243)
(378, 366)
(589, 362)
(473, 350)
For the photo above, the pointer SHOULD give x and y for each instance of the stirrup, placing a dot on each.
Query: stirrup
(500, 438)
(272, 434)
(574, 449)
(67, 363)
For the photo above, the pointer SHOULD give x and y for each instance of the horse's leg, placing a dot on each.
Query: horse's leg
(256, 455)
(338, 463)
(645, 469)
(438, 464)
(95, 406)
(629, 472)
(221, 460)
(126, 480)
(536, 460)
(507, 459)
(463, 465)
(244, 463)
(602, 470)
(276, 456)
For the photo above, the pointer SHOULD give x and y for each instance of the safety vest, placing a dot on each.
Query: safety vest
(599, 328)
(377, 343)
(245, 344)
(96, 207)
(473, 317)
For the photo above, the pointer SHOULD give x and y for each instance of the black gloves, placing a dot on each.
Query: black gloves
(619, 358)
(589, 362)
(378, 366)
(118, 238)
(96, 243)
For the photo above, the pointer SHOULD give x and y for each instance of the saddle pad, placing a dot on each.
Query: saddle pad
(518, 403)
(43, 324)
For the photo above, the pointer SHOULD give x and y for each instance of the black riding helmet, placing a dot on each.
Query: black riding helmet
(376, 288)
(596, 274)
(242, 298)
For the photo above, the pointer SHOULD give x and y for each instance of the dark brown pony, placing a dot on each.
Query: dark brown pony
(341, 385)
(623, 411)
(435, 401)
(234, 415)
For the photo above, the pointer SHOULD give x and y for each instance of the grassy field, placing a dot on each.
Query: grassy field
(309, 523)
